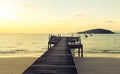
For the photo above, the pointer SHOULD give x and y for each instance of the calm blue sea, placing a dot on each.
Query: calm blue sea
(33, 45)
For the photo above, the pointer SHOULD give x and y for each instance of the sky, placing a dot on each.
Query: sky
(58, 16)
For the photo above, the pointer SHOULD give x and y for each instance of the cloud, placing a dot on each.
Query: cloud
(110, 21)
(27, 5)
(78, 15)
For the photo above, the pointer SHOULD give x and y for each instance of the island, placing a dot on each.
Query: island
(97, 31)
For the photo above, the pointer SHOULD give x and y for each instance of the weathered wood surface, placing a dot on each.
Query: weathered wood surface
(57, 60)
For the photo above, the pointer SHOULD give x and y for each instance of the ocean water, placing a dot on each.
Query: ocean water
(34, 45)
(23, 45)
(101, 45)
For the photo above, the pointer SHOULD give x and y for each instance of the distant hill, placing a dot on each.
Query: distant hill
(97, 31)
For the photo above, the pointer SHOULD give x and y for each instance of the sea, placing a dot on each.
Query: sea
(34, 45)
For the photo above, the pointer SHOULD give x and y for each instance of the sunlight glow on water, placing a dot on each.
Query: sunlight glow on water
(22, 44)
(34, 45)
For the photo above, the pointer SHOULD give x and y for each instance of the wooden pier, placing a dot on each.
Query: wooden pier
(58, 58)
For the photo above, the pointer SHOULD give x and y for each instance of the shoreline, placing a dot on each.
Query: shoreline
(99, 55)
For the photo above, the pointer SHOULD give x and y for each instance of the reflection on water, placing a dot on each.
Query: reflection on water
(19, 45)
(97, 45)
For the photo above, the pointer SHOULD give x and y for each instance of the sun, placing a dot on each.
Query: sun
(19, 12)
(6, 13)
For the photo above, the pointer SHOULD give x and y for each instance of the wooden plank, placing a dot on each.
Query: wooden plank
(57, 60)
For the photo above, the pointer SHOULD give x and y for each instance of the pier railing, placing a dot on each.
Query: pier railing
(73, 42)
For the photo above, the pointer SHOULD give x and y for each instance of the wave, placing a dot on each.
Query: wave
(104, 51)
(12, 51)
(15, 51)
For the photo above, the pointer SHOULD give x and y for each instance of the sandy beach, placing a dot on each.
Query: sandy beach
(97, 65)
(15, 65)
(87, 65)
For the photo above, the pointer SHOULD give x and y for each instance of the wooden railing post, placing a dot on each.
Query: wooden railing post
(81, 51)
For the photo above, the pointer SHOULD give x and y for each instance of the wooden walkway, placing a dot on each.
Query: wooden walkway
(57, 60)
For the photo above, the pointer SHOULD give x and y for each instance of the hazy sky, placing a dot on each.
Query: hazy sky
(58, 16)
